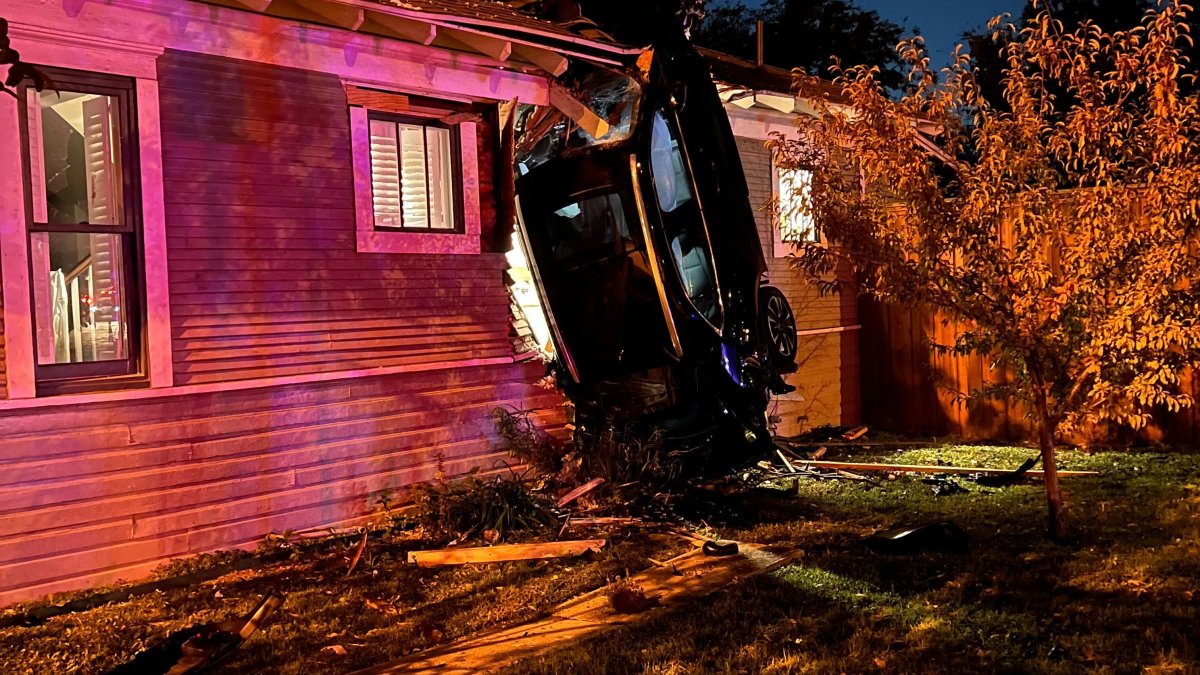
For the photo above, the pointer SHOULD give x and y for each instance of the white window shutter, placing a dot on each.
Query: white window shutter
(385, 174)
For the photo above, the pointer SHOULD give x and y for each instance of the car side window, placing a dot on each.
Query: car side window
(666, 162)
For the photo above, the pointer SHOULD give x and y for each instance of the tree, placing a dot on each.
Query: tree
(1067, 248)
(805, 34)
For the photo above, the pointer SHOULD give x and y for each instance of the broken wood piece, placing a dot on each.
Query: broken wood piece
(855, 433)
(785, 460)
(578, 112)
(358, 551)
(504, 553)
(855, 444)
(820, 452)
(926, 468)
(604, 520)
(580, 491)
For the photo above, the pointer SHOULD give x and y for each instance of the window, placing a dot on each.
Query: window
(413, 166)
(682, 220)
(795, 226)
(81, 160)
(416, 173)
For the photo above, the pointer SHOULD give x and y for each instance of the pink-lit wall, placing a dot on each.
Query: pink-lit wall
(305, 377)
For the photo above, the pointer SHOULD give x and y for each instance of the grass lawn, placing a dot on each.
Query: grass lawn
(1121, 598)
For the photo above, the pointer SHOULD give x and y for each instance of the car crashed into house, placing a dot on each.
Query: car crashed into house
(633, 210)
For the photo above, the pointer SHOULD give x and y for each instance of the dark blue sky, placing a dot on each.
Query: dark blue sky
(942, 22)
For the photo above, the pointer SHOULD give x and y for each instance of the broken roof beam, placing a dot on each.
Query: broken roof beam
(578, 112)
(400, 27)
(552, 62)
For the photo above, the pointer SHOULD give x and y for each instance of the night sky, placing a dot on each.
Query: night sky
(942, 22)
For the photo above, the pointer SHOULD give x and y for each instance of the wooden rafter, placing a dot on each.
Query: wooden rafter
(579, 113)
(551, 62)
(343, 16)
(491, 47)
(405, 29)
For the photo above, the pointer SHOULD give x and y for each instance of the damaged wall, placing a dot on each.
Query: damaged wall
(827, 382)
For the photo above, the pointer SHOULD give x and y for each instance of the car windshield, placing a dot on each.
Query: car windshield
(544, 133)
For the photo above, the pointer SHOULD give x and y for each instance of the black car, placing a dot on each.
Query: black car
(643, 245)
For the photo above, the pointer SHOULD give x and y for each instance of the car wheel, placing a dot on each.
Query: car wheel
(779, 326)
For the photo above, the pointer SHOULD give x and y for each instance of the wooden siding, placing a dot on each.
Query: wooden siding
(3, 354)
(265, 279)
(827, 381)
(90, 494)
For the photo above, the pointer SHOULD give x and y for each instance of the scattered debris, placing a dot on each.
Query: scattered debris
(855, 433)
(942, 535)
(336, 650)
(504, 553)
(626, 597)
(820, 452)
(358, 552)
(603, 521)
(1007, 479)
(579, 492)
(720, 548)
(785, 460)
(944, 485)
(199, 647)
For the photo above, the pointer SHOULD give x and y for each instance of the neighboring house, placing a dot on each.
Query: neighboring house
(760, 104)
(251, 277)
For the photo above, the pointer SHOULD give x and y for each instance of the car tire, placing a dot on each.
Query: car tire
(778, 326)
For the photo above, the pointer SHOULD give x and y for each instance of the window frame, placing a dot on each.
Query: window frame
(456, 177)
(365, 99)
(131, 372)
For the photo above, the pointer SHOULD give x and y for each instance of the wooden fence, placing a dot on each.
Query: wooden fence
(906, 387)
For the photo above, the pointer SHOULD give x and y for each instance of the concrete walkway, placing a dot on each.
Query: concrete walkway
(683, 579)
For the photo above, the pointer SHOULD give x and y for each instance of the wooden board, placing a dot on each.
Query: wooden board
(927, 468)
(504, 553)
(684, 579)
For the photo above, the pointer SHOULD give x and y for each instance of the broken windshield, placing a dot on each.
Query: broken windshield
(544, 133)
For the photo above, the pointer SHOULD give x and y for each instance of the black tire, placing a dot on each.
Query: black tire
(778, 326)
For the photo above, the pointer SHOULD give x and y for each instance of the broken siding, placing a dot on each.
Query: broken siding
(827, 382)
(94, 493)
(265, 279)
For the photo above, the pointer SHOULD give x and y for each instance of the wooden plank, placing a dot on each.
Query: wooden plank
(504, 553)
(580, 491)
(925, 468)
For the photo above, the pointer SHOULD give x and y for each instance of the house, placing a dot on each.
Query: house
(250, 276)
(759, 102)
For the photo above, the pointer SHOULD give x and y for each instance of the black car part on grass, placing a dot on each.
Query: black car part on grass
(942, 535)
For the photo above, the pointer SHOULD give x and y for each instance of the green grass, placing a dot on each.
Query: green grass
(1123, 596)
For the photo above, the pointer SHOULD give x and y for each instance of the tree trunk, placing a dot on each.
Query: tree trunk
(1054, 502)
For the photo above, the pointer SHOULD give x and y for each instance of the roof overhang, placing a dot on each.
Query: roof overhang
(523, 46)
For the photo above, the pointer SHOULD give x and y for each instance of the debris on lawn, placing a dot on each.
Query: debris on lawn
(626, 597)
(855, 433)
(358, 552)
(199, 647)
(944, 485)
(1005, 480)
(504, 552)
(336, 650)
(720, 548)
(579, 492)
(942, 535)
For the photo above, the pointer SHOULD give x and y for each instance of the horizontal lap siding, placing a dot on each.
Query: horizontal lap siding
(3, 354)
(93, 493)
(827, 381)
(265, 279)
